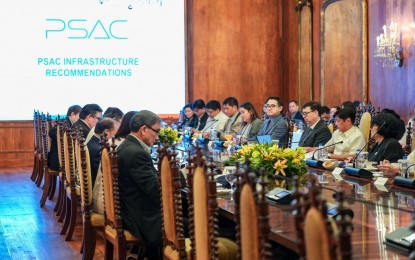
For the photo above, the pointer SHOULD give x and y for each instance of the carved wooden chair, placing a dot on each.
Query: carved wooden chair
(36, 139)
(251, 215)
(60, 207)
(114, 233)
(331, 127)
(320, 237)
(91, 221)
(72, 191)
(409, 142)
(49, 175)
(203, 212)
(364, 125)
(42, 148)
(174, 246)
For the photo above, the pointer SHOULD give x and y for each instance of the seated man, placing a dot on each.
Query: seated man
(88, 117)
(234, 123)
(275, 125)
(138, 181)
(351, 136)
(111, 112)
(199, 109)
(293, 106)
(325, 114)
(217, 119)
(317, 132)
(105, 125)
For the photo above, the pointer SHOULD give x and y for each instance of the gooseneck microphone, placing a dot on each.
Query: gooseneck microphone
(321, 148)
(370, 139)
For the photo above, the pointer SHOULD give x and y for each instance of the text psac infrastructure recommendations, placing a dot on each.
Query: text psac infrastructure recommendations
(88, 67)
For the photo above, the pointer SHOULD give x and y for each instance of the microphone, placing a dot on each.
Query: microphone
(370, 139)
(404, 181)
(321, 148)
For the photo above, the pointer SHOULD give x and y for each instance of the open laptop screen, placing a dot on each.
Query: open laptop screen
(264, 139)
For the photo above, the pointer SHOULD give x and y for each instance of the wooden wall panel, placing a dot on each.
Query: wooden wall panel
(235, 49)
(343, 52)
(16, 143)
(393, 88)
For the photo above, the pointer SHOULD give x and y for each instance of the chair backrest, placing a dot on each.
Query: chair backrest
(84, 172)
(290, 126)
(251, 215)
(69, 154)
(316, 237)
(109, 164)
(364, 125)
(409, 142)
(331, 127)
(170, 193)
(202, 208)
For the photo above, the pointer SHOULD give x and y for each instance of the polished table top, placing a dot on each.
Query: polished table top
(377, 212)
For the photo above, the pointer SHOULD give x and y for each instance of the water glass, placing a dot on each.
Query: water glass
(231, 178)
(361, 160)
(213, 134)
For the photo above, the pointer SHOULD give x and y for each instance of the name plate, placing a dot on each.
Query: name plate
(381, 181)
(336, 173)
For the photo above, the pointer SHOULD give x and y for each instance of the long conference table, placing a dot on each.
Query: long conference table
(378, 210)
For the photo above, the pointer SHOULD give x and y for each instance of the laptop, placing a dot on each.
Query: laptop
(264, 139)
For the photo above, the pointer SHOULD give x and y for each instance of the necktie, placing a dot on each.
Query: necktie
(267, 125)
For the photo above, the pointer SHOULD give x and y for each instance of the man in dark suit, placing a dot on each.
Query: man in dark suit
(71, 117)
(108, 126)
(199, 108)
(88, 117)
(275, 125)
(293, 107)
(138, 182)
(317, 132)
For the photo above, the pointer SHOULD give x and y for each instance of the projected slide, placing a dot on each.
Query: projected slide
(57, 53)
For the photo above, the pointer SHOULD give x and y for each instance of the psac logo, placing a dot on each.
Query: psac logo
(82, 29)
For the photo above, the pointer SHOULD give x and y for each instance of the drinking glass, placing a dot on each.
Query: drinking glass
(228, 136)
(213, 134)
(187, 132)
(361, 160)
(238, 139)
(231, 178)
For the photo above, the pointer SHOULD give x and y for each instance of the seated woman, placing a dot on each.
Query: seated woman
(251, 122)
(190, 119)
(384, 132)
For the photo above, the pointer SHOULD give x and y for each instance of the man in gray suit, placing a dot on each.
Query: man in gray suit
(316, 132)
(138, 182)
(275, 125)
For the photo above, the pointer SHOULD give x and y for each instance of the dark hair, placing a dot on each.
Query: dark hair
(144, 117)
(213, 104)
(348, 104)
(400, 124)
(114, 112)
(198, 104)
(124, 129)
(74, 109)
(314, 106)
(293, 101)
(345, 113)
(231, 101)
(186, 106)
(251, 109)
(89, 109)
(279, 100)
(389, 123)
(104, 123)
(325, 109)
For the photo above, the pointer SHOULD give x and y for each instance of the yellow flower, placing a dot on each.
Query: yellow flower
(279, 167)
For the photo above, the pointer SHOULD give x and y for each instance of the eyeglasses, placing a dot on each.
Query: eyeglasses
(94, 116)
(210, 111)
(270, 106)
(154, 130)
(306, 113)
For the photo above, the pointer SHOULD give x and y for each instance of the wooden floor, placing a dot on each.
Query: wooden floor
(28, 231)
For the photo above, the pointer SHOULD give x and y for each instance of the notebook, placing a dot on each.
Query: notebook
(264, 139)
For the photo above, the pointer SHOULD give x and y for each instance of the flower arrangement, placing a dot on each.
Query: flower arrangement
(274, 160)
(169, 135)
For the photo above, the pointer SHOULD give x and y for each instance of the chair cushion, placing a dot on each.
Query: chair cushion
(113, 233)
(227, 249)
(97, 220)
